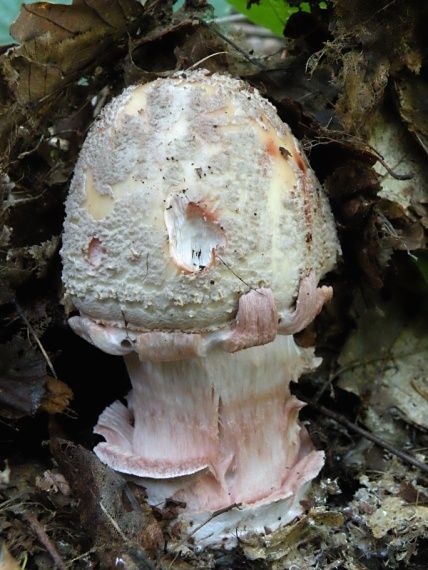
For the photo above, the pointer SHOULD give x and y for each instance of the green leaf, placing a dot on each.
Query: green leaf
(271, 14)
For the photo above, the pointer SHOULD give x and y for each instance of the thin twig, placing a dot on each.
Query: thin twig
(45, 540)
(375, 14)
(8, 502)
(368, 435)
(113, 522)
(214, 515)
(209, 519)
(388, 168)
(233, 18)
(8, 425)
(351, 366)
(87, 553)
(36, 338)
(206, 58)
(235, 274)
(238, 277)
(359, 364)
(233, 44)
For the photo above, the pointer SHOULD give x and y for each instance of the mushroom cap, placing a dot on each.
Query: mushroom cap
(188, 192)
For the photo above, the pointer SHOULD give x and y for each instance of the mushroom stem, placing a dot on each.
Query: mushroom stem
(216, 431)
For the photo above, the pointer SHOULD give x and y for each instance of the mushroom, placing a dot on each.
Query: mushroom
(195, 237)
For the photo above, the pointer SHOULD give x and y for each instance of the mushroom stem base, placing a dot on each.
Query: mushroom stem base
(218, 433)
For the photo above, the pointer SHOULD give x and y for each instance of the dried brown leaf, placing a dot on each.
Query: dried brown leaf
(110, 510)
(57, 45)
(61, 22)
(22, 379)
(412, 94)
(58, 396)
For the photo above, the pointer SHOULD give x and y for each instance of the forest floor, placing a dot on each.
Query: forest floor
(352, 83)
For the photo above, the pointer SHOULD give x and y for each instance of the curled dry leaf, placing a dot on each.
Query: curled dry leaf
(22, 379)
(372, 43)
(412, 94)
(389, 518)
(58, 44)
(312, 526)
(58, 396)
(391, 374)
(53, 481)
(391, 140)
(110, 510)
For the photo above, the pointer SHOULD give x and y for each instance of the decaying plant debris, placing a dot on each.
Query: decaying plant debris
(353, 90)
